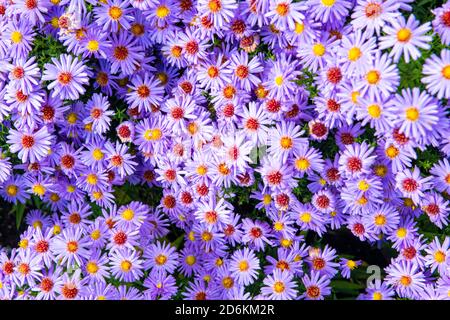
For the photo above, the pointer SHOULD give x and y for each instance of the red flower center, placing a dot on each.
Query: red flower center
(202, 189)
(191, 47)
(21, 97)
(211, 216)
(96, 113)
(228, 110)
(354, 164)
(186, 86)
(334, 75)
(169, 202)
(323, 201)
(409, 252)
(46, 285)
(282, 199)
(445, 18)
(229, 91)
(186, 197)
(120, 238)
(69, 291)
(233, 153)
(373, 10)
(48, 113)
(229, 230)
(400, 138)
(42, 246)
(124, 131)
(256, 232)
(67, 161)
(358, 228)
(273, 106)
(170, 174)
(319, 129)
(318, 263)
(8, 267)
(120, 53)
(410, 185)
(238, 26)
(64, 78)
(432, 209)
(27, 141)
(347, 138)
(242, 71)
(252, 124)
(116, 160)
(31, 4)
(143, 91)
(333, 106)
(75, 218)
(18, 73)
(274, 177)
(177, 113)
(313, 292)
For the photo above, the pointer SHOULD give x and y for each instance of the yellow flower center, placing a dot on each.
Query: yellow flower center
(412, 114)
(152, 134)
(243, 265)
(328, 3)
(354, 97)
(302, 164)
(92, 45)
(95, 235)
(126, 265)
(267, 199)
(306, 217)
(404, 35)
(392, 152)
(128, 214)
(56, 229)
(439, 256)
(286, 243)
(299, 27)
(380, 220)
(278, 226)
(351, 264)
(373, 77)
(279, 287)
(354, 54)
(55, 22)
(446, 72)
(91, 179)
(12, 190)
(92, 267)
(377, 296)
(97, 154)
(202, 170)
(374, 111)
(401, 232)
(162, 11)
(72, 118)
(37, 224)
(115, 12)
(39, 189)
(190, 260)
(279, 80)
(286, 142)
(363, 185)
(16, 36)
(23, 243)
(160, 259)
(318, 49)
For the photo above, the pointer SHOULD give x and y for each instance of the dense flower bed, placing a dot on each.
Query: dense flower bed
(222, 149)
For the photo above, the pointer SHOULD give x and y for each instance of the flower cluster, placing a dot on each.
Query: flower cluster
(260, 126)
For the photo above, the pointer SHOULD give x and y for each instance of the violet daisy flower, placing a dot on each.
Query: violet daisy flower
(279, 286)
(406, 278)
(145, 92)
(244, 266)
(33, 146)
(284, 13)
(67, 76)
(112, 14)
(406, 38)
(316, 285)
(412, 185)
(70, 247)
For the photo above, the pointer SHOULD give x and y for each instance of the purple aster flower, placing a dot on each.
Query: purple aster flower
(412, 185)
(436, 71)
(161, 257)
(244, 266)
(126, 265)
(67, 76)
(112, 14)
(284, 13)
(160, 286)
(441, 22)
(347, 266)
(374, 15)
(30, 145)
(406, 38)
(279, 286)
(20, 35)
(316, 285)
(406, 279)
(437, 256)
(70, 247)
